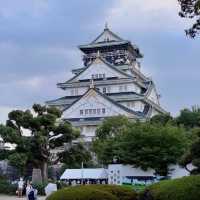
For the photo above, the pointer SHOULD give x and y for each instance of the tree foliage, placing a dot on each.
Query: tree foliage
(45, 134)
(105, 145)
(192, 156)
(153, 146)
(76, 156)
(191, 9)
(189, 118)
(162, 119)
(141, 144)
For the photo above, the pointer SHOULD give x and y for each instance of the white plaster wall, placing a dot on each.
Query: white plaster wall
(117, 173)
(153, 96)
(178, 172)
(134, 105)
(130, 87)
(154, 112)
(121, 88)
(88, 131)
(76, 91)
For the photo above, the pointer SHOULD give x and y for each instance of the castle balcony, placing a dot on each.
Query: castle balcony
(108, 54)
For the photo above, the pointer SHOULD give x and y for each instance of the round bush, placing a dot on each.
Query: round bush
(120, 192)
(81, 193)
(186, 188)
(6, 187)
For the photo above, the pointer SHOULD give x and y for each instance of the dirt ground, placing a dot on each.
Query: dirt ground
(3, 197)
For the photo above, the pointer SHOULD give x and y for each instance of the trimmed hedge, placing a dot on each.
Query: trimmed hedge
(186, 188)
(94, 192)
(80, 193)
(120, 192)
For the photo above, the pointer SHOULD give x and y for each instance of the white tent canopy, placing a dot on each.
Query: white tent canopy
(97, 173)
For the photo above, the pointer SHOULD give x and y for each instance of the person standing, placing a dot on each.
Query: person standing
(31, 193)
(28, 189)
(20, 187)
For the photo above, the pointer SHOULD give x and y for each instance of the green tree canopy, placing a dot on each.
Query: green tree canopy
(141, 144)
(162, 119)
(153, 146)
(192, 156)
(189, 118)
(46, 135)
(105, 145)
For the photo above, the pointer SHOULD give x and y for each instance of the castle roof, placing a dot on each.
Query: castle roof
(108, 38)
(94, 92)
(99, 60)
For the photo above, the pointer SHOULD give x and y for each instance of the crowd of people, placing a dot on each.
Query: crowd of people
(27, 189)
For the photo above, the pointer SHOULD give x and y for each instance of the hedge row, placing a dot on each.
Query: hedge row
(94, 192)
(186, 188)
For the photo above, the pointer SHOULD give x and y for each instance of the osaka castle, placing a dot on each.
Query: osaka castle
(109, 83)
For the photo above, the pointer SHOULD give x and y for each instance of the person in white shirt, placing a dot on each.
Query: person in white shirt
(20, 187)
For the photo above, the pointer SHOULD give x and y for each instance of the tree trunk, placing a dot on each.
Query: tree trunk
(44, 170)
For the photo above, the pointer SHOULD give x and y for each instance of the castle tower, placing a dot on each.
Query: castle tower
(110, 83)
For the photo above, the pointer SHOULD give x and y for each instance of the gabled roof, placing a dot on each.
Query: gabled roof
(106, 63)
(107, 36)
(136, 114)
(118, 97)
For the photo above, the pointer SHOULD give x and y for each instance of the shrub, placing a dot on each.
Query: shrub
(186, 188)
(81, 193)
(61, 185)
(40, 187)
(120, 192)
(6, 187)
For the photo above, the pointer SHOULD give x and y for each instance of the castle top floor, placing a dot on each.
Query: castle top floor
(112, 48)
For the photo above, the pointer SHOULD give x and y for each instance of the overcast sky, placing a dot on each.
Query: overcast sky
(39, 39)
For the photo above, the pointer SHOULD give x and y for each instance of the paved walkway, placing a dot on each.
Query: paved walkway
(3, 197)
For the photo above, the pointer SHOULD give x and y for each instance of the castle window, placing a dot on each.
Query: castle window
(72, 92)
(125, 88)
(120, 88)
(108, 89)
(96, 76)
(98, 111)
(76, 91)
(104, 90)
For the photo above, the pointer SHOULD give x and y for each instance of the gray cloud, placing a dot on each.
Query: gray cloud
(38, 40)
